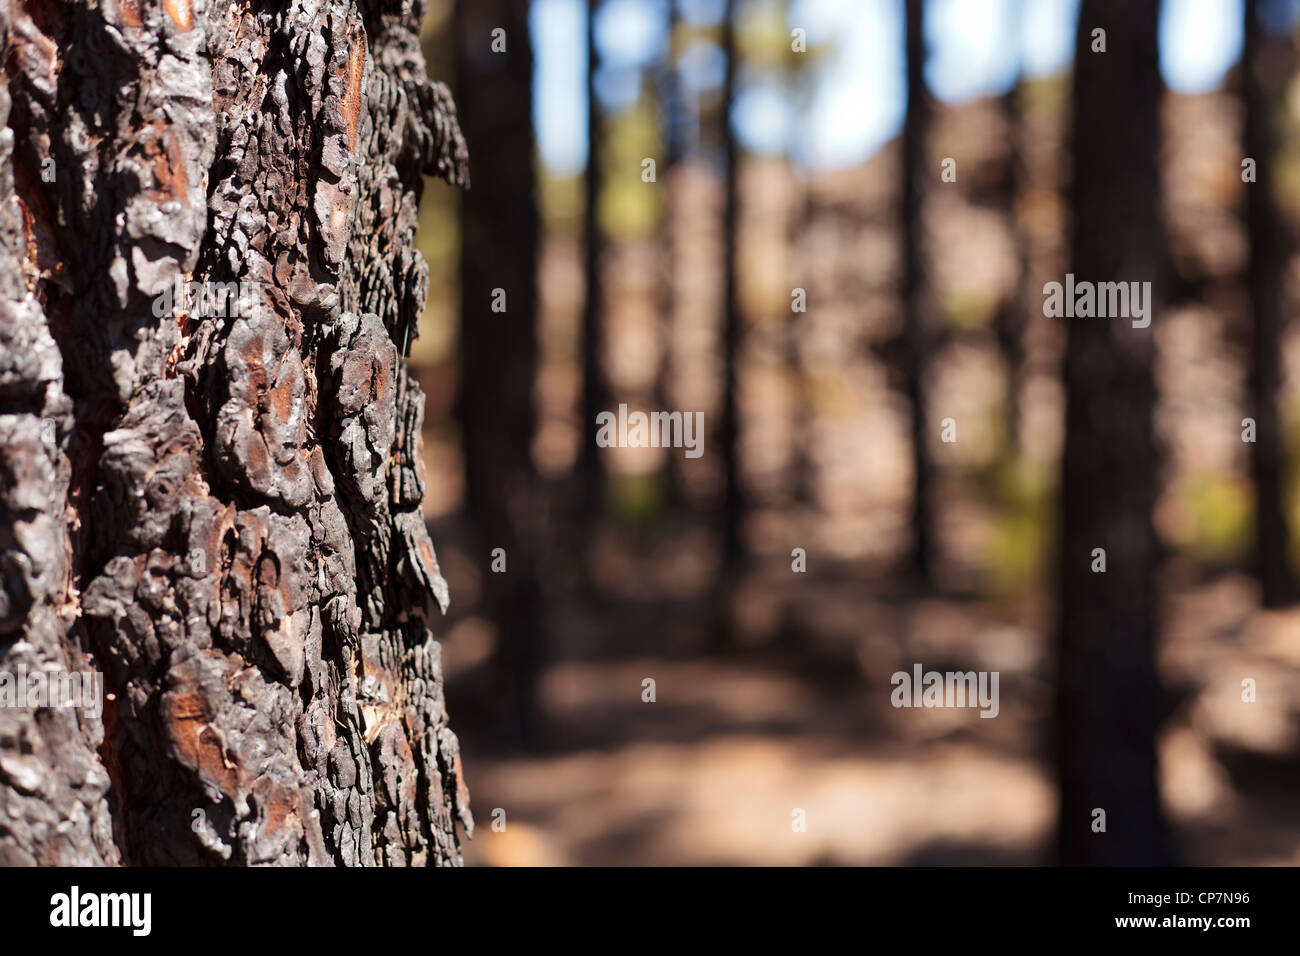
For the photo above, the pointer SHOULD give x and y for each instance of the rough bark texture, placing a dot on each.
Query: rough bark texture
(1109, 698)
(226, 521)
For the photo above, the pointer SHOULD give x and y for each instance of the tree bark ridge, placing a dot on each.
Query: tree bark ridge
(228, 523)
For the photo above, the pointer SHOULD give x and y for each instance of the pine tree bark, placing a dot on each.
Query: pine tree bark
(224, 516)
(1109, 702)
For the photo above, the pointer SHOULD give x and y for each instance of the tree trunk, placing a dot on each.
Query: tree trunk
(670, 125)
(915, 319)
(1011, 318)
(595, 390)
(733, 503)
(798, 330)
(1109, 698)
(1268, 258)
(498, 348)
(223, 514)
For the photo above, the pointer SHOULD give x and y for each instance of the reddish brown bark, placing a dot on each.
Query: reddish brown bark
(226, 522)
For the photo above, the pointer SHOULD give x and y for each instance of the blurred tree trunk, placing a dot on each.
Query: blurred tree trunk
(1268, 256)
(670, 124)
(1109, 698)
(803, 468)
(733, 504)
(498, 344)
(803, 482)
(220, 513)
(1011, 317)
(916, 320)
(595, 388)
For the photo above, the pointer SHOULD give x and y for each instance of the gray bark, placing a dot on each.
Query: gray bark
(226, 522)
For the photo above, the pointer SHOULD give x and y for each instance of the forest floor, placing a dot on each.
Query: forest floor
(795, 715)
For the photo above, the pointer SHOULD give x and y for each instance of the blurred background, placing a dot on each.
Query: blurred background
(794, 264)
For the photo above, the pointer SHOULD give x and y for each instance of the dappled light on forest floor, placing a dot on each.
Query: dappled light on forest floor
(717, 767)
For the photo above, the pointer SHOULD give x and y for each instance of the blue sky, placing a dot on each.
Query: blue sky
(855, 103)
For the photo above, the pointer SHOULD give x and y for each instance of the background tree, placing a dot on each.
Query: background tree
(1268, 257)
(671, 122)
(498, 344)
(219, 512)
(1109, 698)
(916, 329)
(733, 504)
(595, 388)
(1012, 317)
